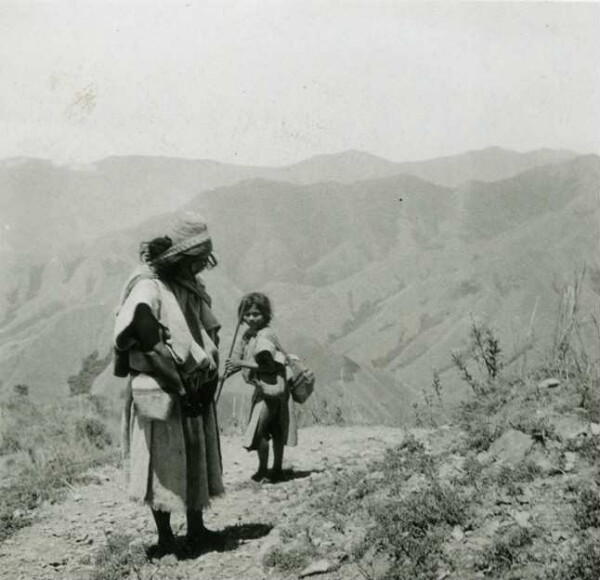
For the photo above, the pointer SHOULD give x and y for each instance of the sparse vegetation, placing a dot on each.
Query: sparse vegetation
(505, 551)
(91, 367)
(118, 558)
(60, 442)
(418, 505)
(587, 509)
(290, 559)
(583, 563)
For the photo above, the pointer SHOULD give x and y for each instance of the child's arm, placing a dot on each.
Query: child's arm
(263, 363)
(233, 365)
(236, 361)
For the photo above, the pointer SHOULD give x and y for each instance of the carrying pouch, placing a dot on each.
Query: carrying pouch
(300, 378)
(150, 400)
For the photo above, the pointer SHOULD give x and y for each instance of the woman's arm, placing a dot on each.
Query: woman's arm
(166, 371)
(146, 330)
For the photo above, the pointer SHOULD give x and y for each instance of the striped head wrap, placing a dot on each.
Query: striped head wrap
(189, 235)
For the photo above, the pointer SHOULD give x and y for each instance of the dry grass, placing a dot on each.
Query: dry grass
(45, 449)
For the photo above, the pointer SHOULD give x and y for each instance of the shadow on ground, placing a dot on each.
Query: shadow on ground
(290, 475)
(225, 540)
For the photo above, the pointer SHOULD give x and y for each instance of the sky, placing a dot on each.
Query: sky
(263, 82)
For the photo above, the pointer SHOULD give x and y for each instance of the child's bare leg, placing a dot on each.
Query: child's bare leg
(263, 459)
(278, 447)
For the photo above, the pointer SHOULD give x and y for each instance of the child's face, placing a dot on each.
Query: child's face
(254, 318)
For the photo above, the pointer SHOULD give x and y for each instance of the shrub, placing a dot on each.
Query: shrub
(290, 559)
(91, 367)
(95, 431)
(503, 553)
(587, 509)
(60, 442)
(118, 558)
(411, 531)
(581, 564)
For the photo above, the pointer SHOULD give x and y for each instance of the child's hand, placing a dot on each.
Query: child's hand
(232, 365)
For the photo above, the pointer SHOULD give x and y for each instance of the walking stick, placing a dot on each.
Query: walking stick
(237, 328)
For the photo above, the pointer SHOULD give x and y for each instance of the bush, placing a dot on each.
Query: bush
(95, 431)
(118, 558)
(504, 551)
(91, 367)
(582, 564)
(411, 531)
(290, 559)
(587, 509)
(60, 442)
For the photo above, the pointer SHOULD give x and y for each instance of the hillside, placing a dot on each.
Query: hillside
(376, 280)
(508, 491)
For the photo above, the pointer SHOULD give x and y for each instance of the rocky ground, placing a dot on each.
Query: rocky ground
(509, 491)
(69, 540)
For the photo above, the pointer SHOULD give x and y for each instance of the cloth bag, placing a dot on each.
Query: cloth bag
(301, 379)
(150, 399)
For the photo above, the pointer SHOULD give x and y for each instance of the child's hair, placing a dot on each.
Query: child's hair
(261, 301)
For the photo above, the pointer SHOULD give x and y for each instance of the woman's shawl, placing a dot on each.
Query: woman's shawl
(180, 319)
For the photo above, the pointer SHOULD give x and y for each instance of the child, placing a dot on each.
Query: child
(263, 365)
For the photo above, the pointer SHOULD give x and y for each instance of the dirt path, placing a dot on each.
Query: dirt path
(65, 539)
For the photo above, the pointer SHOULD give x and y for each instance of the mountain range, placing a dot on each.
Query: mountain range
(44, 205)
(376, 269)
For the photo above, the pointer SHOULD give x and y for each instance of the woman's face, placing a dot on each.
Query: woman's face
(195, 264)
(254, 318)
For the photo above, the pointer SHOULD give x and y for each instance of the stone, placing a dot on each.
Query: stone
(375, 476)
(511, 447)
(484, 457)
(570, 461)
(522, 518)
(541, 461)
(317, 567)
(549, 384)
(458, 534)
(567, 428)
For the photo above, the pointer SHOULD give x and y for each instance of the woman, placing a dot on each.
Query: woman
(262, 362)
(166, 336)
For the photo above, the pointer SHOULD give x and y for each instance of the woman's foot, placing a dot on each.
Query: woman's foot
(164, 547)
(260, 476)
(276, 475)
(206, 539)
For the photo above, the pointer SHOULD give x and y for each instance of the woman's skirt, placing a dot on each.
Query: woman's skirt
(174, 464)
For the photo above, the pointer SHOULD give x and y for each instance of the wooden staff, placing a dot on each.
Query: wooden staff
(237, 328)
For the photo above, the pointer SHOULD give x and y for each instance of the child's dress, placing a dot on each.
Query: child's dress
(269, 417)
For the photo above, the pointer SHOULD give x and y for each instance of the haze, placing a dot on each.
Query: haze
(267, 83)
